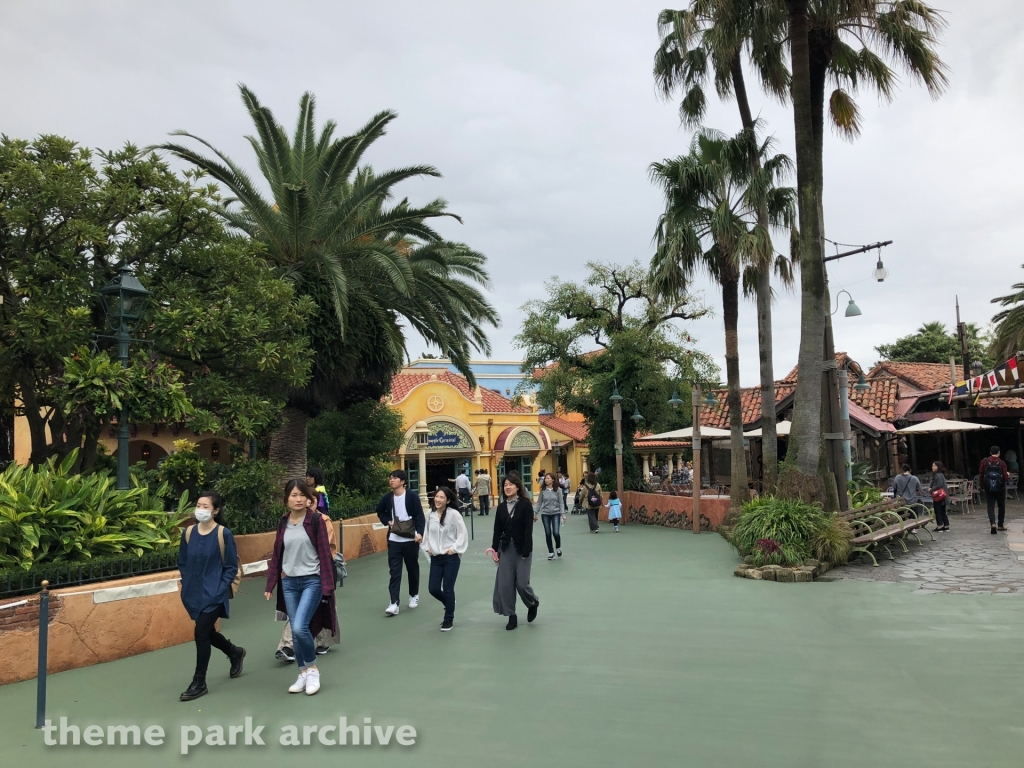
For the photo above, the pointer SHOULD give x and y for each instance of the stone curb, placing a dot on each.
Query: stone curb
(809, 571)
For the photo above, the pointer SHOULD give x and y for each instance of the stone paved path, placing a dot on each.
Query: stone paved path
(967, 560)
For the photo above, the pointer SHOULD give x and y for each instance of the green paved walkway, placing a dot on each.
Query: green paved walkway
(646, 649)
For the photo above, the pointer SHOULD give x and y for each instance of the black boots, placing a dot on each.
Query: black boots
(196, 689)
(513, 622)
(532, 613)
(236, 656)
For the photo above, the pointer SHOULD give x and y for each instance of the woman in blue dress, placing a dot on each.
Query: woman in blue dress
(208, 562)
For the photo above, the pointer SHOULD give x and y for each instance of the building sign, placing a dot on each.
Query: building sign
(525, 439)
(444, 436)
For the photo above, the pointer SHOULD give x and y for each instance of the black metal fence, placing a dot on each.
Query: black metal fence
(15, 583)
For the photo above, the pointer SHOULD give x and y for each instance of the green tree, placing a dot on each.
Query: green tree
(228, 335)
(354, 446)
(369, 262)
(1008, 335)
(711, 224)
(707, 41)
(612, 325)
(931, 343)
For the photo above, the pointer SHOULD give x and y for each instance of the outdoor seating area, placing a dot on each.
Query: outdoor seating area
(886, 523)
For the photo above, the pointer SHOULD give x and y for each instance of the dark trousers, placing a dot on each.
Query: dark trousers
(592, 519)
(552, 529)
(999, 497)
(485, 505)
(207, 636)
(466, 496)
(941, 518)
(407, 551)
(565, 500)
(444, 569)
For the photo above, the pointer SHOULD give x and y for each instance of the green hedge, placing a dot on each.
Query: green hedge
(19, 581)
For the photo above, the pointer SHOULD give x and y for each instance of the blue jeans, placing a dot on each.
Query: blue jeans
(302, 597)
(444, 569)
(552, 527)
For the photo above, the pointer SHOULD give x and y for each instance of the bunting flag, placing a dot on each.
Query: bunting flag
(952, 391)
(977, 382)
(1011, 365)
(1003, 377)
(970, 386)
(962, 388)
(993, 382)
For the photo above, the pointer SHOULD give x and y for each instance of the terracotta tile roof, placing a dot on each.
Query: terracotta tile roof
(880, 400)
(842, 360)
(751, 400)
(1000, 402)
(858, 414)
(576, 430)
(927, 377)
(406, 381)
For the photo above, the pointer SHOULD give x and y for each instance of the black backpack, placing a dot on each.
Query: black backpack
(593, 497)
(994, 480)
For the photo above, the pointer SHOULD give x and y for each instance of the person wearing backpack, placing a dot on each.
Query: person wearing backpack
(208, 563)
(992, 476)
(302, 569)
(591, 496)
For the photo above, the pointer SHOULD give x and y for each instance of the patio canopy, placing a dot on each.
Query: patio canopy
(708, 433)
(781, 429)
(943, 425)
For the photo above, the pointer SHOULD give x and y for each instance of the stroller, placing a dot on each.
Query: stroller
(577, 502)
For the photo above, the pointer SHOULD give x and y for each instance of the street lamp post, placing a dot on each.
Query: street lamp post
(124, 299)
(617, 399)
(695, 479)
(422, 432)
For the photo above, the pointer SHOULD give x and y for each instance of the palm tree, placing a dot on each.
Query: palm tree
(711, 223)
(707, 40)
(1008, 335)
(371, 264)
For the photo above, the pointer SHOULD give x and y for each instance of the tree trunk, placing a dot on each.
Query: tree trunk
(36, 422)
(738, 494)
(288, 444)
(763, 290)
(805, 439)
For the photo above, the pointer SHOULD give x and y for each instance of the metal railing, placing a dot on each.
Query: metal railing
(15, 584)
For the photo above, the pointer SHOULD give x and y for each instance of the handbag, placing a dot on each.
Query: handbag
(406, 529)
(340, 569)
(939, 494)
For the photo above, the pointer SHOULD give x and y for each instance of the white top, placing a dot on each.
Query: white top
(438, 539)
(400, 514)
(462, 482)
(300, 557)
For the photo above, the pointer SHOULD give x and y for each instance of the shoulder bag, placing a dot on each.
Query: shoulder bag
(403, 528)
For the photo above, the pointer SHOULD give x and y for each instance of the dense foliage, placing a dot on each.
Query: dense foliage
(611, 326)
(932, 344)
(228, 334)
(787, 531)
(1008, 335)
(354, 447)
(49, 514)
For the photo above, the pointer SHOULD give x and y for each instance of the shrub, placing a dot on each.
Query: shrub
(833, 542)
(184, 469)
(242, 521)
(248, 487)
(787, 523)
(48, 514)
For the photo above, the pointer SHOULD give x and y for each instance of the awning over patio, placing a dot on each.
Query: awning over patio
(782, 429)
(943, 425)
(708, 433)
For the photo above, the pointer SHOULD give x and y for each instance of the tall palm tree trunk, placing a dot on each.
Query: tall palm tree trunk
(288, 444)
(805, 440)
(763, 292)
(738, 494)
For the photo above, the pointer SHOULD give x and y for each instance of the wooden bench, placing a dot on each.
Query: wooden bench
(879, 524)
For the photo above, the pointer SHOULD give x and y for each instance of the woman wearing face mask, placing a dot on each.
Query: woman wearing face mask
(512, 550)
(445, 540)
(302, 568)
(208, 562)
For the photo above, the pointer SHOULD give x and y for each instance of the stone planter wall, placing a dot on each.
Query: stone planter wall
(809, 571)
(671, 511)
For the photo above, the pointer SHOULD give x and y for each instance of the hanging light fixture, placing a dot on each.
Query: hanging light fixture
(880, 272)
(675, 402)
(862, 383)
(616, 397)
(710, 401)
(636, 417)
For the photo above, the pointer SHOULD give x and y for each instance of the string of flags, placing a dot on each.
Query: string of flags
(1005, 375)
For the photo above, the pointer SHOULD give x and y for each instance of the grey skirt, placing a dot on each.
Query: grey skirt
(513, 576)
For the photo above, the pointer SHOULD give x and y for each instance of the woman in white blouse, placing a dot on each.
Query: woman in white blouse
(445, 540)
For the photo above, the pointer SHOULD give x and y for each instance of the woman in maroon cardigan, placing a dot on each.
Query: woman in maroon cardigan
(303, 568)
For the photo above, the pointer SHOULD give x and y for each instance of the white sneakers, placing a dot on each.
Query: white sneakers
(391, 610)
(551, 555)
(300, 684)
(414, 601)
(308, 681)
(312, 681)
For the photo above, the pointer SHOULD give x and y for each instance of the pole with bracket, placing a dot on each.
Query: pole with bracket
(44, 626)
(698, 472)
(844, 416)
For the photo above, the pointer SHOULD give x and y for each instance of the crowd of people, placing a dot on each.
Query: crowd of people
(305, 566)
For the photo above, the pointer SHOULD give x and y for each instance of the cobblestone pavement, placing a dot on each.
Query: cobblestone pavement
(966, 560)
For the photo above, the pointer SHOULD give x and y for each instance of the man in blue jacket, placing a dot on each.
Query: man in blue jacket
(402, 512)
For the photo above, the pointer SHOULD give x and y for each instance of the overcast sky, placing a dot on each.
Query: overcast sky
(543, 119)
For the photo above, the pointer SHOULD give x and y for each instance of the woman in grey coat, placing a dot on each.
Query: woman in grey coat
(549, 507)
(512, 550)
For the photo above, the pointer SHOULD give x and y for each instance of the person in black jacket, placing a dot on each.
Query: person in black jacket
(402, 512)
(512, 550)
